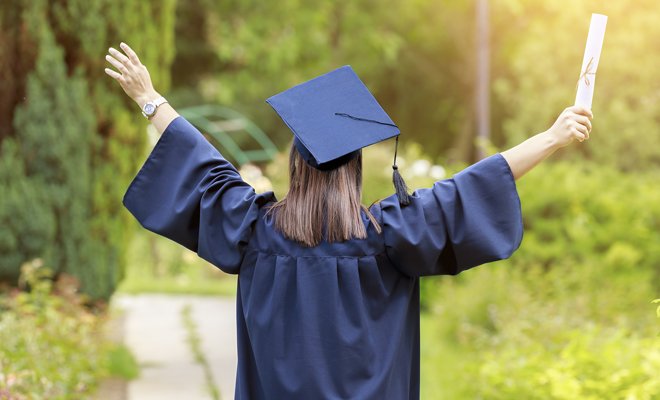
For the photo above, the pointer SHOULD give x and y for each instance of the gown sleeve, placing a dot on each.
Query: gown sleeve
(187, 192)
(459, 223)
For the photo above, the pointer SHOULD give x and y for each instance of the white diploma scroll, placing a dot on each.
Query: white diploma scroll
(587, 80)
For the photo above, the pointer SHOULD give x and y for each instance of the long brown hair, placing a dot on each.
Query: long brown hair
(322, 204)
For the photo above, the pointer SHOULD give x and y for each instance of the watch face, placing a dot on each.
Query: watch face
(149, 108)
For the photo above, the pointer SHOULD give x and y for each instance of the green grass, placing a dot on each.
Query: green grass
(195, 343)
(158, 265)
(121, 363)
(176, 285)
(444, 363)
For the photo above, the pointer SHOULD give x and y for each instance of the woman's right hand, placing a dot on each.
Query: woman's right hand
(133, 76)
(574, 123)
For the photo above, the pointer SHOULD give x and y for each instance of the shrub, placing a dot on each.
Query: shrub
(566, 316)
(68, 144)
(589, 363)
(52, 346)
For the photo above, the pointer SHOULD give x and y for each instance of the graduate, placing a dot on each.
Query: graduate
(328, 290)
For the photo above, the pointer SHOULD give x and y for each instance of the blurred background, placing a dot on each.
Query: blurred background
(570, 316)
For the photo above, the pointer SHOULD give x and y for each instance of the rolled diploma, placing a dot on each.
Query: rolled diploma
(587, 81)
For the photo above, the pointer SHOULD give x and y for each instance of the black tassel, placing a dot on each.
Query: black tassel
(399, 184)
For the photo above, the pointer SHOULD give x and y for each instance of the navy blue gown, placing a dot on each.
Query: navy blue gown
(336, 321)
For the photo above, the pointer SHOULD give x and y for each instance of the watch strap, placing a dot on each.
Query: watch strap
(159, 101)
(156, 103)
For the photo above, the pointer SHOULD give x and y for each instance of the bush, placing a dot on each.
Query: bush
(45, 174)
(70, 140)
(52, 346)
(590, 363)
(566, 316)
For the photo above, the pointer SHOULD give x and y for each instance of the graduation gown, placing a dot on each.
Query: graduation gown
(339, 320)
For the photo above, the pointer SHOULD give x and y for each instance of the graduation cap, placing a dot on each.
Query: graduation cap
(332, 117)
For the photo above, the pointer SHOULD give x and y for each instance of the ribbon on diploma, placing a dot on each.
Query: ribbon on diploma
(585, 74)
(587, 81)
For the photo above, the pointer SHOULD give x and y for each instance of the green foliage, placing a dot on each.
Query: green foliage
(121, 363)
(47, 168)
(76, 140)
(495, 334)
(245, 51)
(52, 346)
(419, 58)
(657, 310)
(539, 51)
(591, 363)
(28, 228)
(594, 218)
(566, 316)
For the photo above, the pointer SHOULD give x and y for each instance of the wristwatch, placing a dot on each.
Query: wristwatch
(149, 108)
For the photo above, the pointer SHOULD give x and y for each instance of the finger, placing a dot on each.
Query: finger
(580, 128)
(581, 137)
(121, 67)
(112, 73)
(581, 111)
(131, 54)
(118, 55)
(582, 120)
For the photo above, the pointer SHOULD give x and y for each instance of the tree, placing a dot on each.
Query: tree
(411, 55)
(74, 145)
(540, 46)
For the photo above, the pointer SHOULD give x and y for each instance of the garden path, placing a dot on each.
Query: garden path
(156, 331)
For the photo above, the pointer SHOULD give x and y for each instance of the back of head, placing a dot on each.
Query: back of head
(322, 204)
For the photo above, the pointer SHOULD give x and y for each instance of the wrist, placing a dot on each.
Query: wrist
(550, 141)
(143, 99)
(151, 107)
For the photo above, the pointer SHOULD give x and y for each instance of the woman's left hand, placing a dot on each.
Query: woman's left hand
(133, 76)
(574, 123)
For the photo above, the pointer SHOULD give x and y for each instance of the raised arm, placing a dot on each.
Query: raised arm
(134, 78)
(186, 190)
(475, 217)
(573, 123)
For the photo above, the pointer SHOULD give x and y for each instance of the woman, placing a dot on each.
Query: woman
(328, 291)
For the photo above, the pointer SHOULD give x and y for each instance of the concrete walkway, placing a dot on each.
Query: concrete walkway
(154, 330)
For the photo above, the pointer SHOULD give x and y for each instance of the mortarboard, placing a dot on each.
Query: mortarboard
(332, 117)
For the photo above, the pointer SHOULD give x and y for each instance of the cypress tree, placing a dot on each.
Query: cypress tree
(71, 141)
